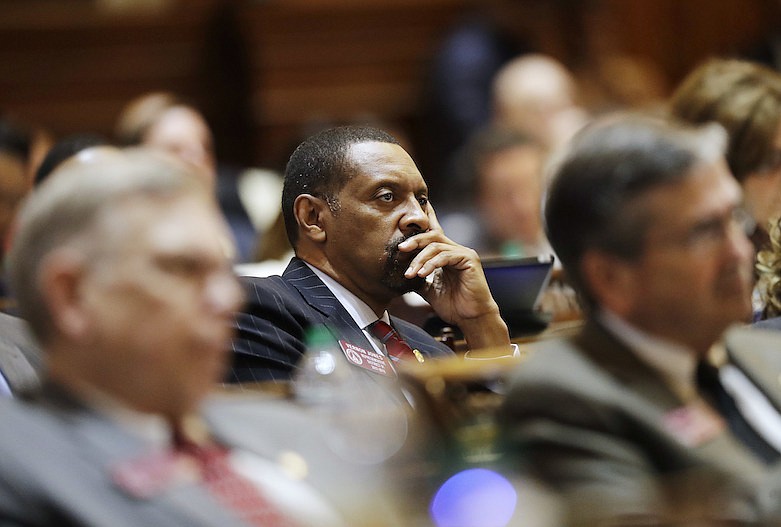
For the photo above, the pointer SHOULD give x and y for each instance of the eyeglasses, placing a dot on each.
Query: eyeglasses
(712, 232)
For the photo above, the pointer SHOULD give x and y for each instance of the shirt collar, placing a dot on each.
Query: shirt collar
(5, 389)
(153, 429)
(674, 362)
(360, 312)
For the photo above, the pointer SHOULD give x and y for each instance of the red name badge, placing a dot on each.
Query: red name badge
(151, 474)
(694, 424)
(367, 359)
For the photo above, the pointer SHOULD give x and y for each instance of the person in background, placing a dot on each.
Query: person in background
(508, 168)
(21, 364)
(744, 98)
(14, 181)
(358, 216)
(121, 269)
(631, 420)
(537, 95)
(769, 266)
(532, 95)
(164, 121)
(67, 147)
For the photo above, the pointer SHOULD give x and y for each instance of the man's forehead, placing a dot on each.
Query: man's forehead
(706, 189)
(378, 159)
(366, 152)
(168, 222)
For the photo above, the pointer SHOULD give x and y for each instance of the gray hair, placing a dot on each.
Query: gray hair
(66, 211)
(608, 166)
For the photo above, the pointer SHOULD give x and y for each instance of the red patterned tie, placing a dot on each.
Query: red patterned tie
(397, 348)
(231, 489)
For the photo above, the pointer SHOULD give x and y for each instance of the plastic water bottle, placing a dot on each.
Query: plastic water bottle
(322, 372)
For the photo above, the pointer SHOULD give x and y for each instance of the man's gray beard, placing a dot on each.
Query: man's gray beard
(393, 271)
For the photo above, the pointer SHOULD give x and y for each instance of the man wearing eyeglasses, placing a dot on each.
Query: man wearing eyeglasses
(626, 420)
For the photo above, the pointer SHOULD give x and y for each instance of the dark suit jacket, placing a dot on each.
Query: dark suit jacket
(592, 420)
(20, 356)
(270, 337)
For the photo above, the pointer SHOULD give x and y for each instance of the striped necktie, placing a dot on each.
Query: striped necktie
(397, 348)
(230, 489)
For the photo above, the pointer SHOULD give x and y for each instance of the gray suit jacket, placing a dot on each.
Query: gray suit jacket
(61, 464)
(20, 356)
(587, 417)
(57, 465)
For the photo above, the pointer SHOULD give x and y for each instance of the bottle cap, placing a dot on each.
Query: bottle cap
(319, 335)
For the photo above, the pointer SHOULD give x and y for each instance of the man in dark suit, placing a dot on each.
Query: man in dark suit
(357, 213)
(121, 268)
(648, 224)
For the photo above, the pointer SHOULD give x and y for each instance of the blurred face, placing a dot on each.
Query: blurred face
(762, 190)
(160, 304)
(694, 276)
(511, 194)
(183, 133)
(379, 207)
(13, 187)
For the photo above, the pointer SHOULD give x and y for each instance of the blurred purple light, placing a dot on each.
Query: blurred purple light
(474, 498)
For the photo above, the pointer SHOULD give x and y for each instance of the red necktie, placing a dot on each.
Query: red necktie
(397, 348)
(230, 489)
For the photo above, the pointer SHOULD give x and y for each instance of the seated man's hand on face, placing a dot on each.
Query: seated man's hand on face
(458, 291)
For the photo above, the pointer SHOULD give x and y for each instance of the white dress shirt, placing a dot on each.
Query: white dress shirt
(361, 313)
(5, 390)
(674, 362)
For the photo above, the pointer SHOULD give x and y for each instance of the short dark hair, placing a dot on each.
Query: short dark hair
(592, 199)
(15, 139)
(320, 166)
(64, 149)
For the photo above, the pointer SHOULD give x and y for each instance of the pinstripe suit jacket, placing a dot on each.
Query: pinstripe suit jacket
(270, 331)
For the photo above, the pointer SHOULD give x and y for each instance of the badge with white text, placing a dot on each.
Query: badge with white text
(367, 359)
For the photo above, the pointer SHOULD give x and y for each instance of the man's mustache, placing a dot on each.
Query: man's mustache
(393, 246)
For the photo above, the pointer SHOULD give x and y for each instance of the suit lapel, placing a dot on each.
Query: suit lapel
(19, 357)
(650, 399)
(622, 363)
(110, 447)
(320, 298)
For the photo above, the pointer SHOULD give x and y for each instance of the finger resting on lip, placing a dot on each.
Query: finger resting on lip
(425, 267)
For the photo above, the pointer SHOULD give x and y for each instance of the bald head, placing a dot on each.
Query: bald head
(536, 94)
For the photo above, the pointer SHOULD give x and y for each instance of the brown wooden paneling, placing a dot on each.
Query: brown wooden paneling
(70, 67)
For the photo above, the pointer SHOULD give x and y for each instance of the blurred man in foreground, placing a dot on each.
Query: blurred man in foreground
(120, 268)
(628, 420)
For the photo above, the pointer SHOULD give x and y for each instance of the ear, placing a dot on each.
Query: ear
(612, 281)
(310, 214)
(62, 276)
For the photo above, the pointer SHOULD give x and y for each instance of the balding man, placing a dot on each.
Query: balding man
(120, 267)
